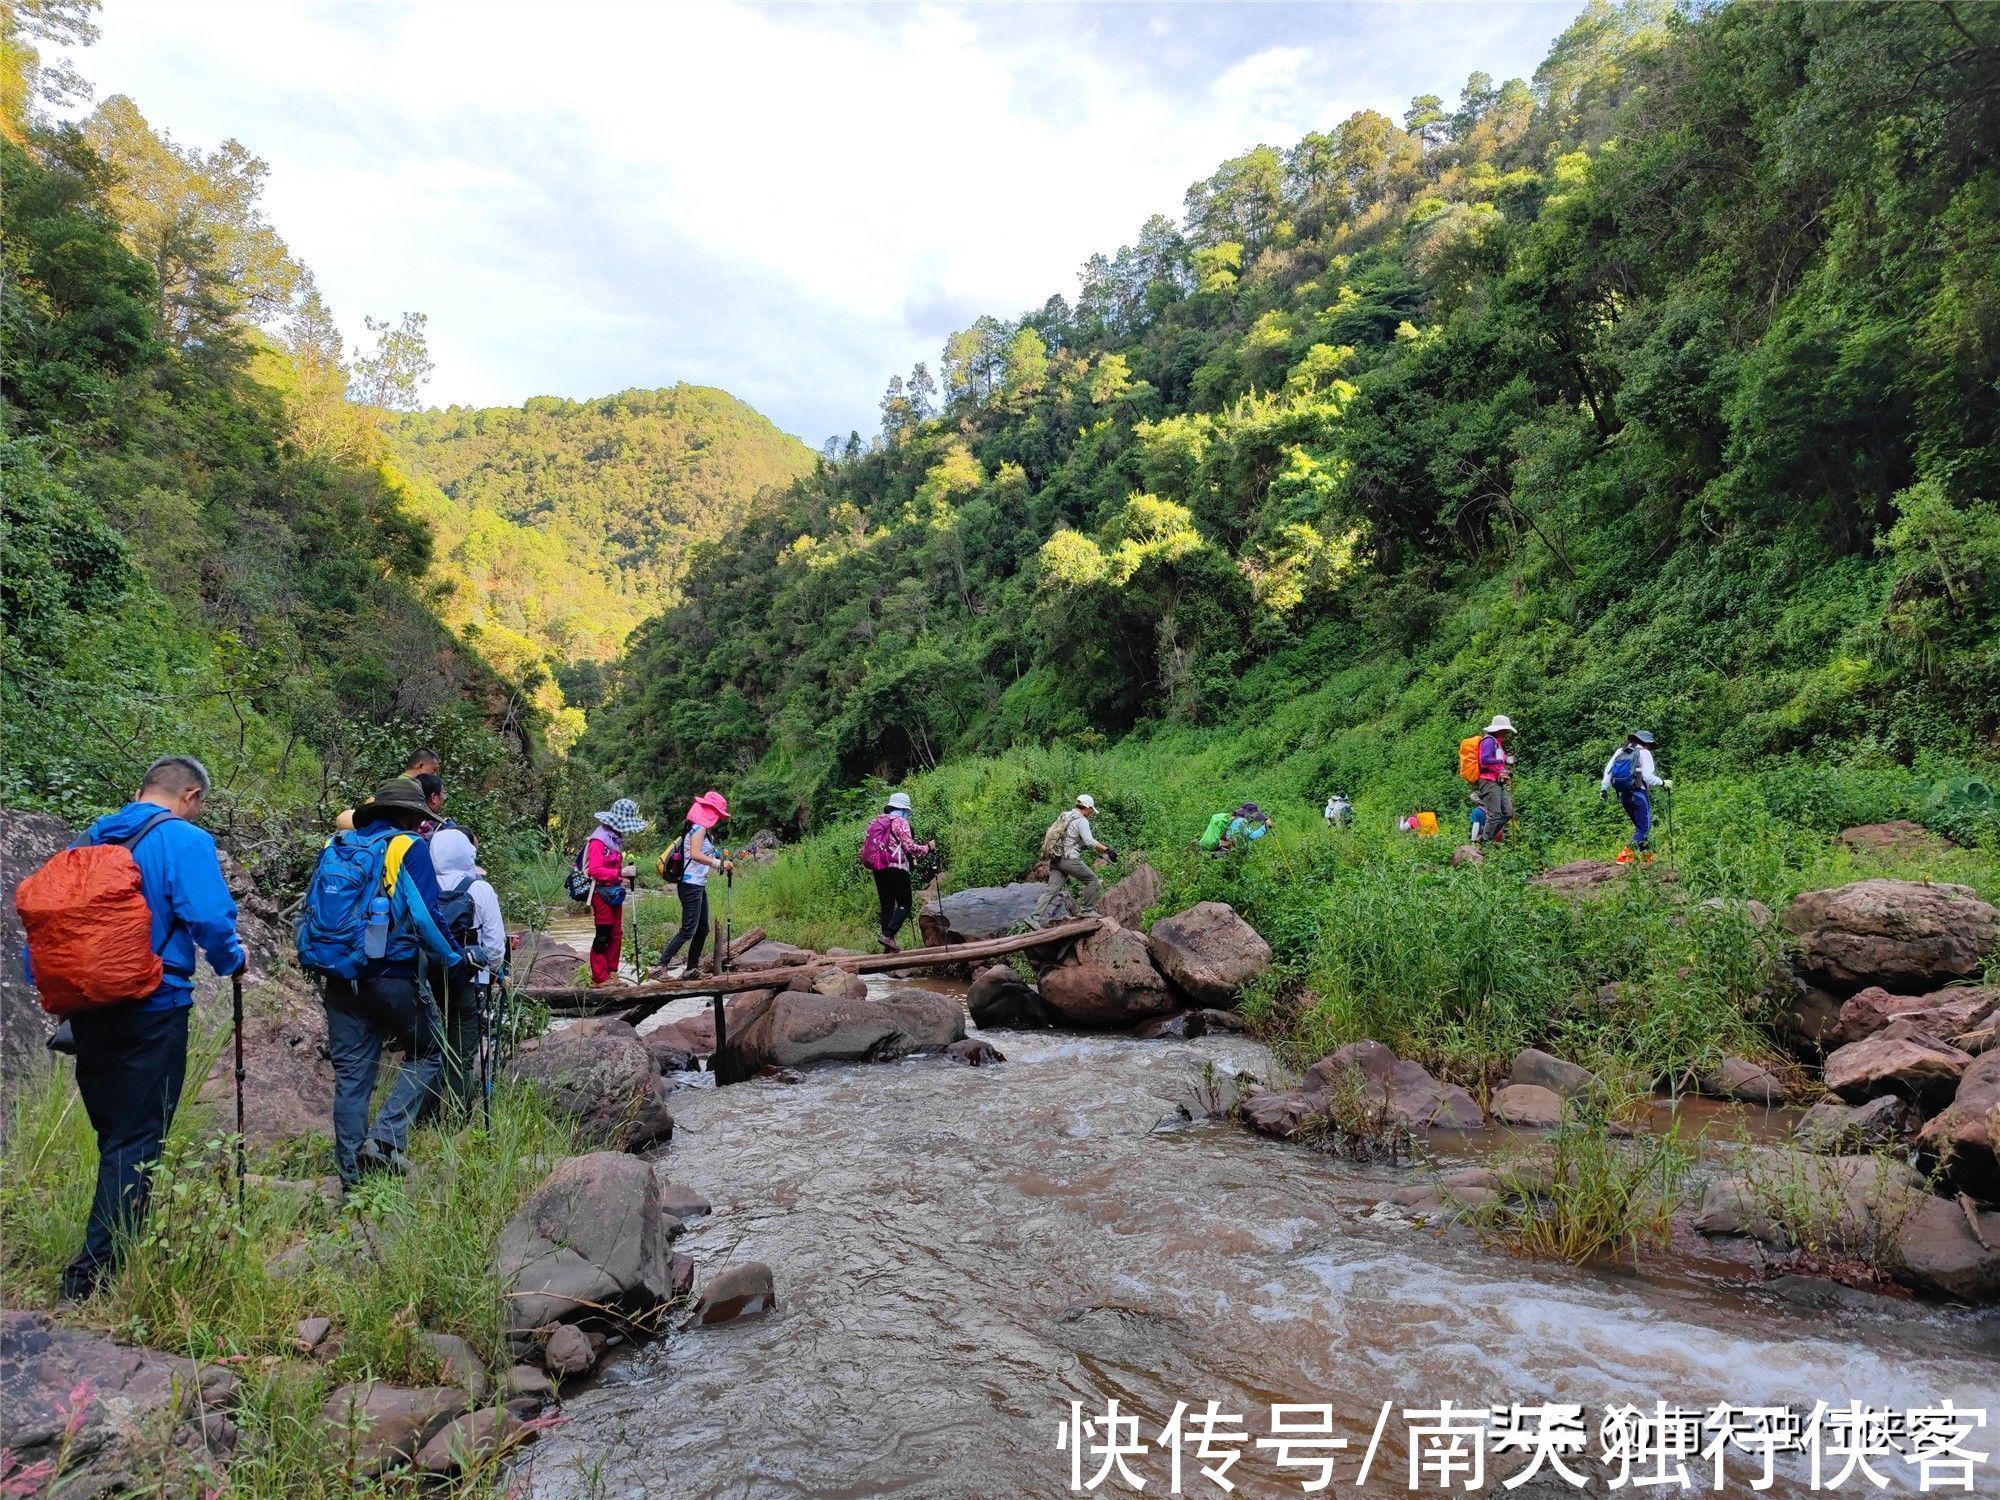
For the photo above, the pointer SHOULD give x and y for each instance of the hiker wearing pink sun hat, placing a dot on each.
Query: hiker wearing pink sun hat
(688, 863)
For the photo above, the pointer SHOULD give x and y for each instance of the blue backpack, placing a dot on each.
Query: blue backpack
(333, 926)
(1625, 770)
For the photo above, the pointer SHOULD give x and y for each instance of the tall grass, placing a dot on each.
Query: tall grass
(397, 1259)
(1376, 933)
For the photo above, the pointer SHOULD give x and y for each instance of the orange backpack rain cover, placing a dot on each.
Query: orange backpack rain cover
(90, 931)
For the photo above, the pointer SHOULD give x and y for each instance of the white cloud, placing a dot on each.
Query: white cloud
(786, 202)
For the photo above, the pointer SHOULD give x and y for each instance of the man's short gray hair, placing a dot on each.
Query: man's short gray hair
(175, 774)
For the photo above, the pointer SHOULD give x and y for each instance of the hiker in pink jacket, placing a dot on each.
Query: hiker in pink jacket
(604, 862)
(887, 849)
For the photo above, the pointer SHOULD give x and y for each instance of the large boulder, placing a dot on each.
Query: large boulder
(588, 1242)
(1901, 1059)
(772, 954)
(26, 840)
(547, 962)
(1404, 1089)
(1534, 1068)
(1528, 1105)
(383, 1425)
(1943, 1013)
(982, 911)
(1906, 936)
(288, 1073)
(1110, 981)
(796, 1028)
(1739, 1079)
(1208, 952)
(1844, 1129)
(1127, 899)
(1794, 1199)
(1269, 1112)
(1000, 998)
(1897, 837)
(1967, 1133)
(600, 1072)
(1947, 1247)
(137, 1406)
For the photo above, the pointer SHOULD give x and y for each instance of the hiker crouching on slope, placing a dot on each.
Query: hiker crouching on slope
(470, 911)
(688, 864)
(1630, 773)
(131, 1054)
(1493, 794)
(609, 871)
(1064, 843)
(384, 1000)
(887, 849)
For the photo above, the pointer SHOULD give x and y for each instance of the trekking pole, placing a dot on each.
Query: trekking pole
(236, 1004)
(728, 917)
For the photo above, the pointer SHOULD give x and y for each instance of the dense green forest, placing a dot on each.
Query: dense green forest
(1659, 388)
(560, 525)
(206, 547)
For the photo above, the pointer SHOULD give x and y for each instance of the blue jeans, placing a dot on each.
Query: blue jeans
(360, 1017)
(1639, 808)
(130, 1064)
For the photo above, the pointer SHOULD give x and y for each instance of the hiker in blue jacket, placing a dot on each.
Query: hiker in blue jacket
(131, 1056)
(388, 1002)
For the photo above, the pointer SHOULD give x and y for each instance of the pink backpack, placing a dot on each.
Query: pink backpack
(878, 844)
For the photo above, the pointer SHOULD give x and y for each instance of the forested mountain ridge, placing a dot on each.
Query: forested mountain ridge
(1661, 388)
(206, 549)
(570, 521)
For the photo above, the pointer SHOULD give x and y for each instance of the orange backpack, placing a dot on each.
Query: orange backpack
(1468, 757)
(90, 931)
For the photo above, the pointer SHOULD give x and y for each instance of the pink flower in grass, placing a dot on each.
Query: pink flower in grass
(16, 1480)
(77, 1410)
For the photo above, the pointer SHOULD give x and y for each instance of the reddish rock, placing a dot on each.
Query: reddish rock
(1584, 879)
(681, 1270)
(601, 1073)
(1825, 1203)
(1839, 1129)
(1906, 936)
(1744, 1081)
(975, 1053)
(837, 983)
(567, 1353)
(1412, 1097)
(1188, 1025)
(771, 954)
(1126, 900)
(468, 1441)
(1532, 1066)
(1280, 1114)
(587, 1242)
(1945, 1013)
(1209, 953)
(739, 1291)
(689, 1037)
(1468, 854)
(1899, 836)
(386, 1425)
(1947, 1246)
(1901, 1059)
(675, 1198)
(800, 1028)
(1529, 1105)
(1967, 1133)
(541, 960)
(1110, 982)
(1000, 999)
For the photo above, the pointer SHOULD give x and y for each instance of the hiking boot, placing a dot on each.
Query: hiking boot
(889, 945)
(1624, 857)
(374, 1157)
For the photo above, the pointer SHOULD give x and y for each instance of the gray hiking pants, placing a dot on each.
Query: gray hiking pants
(1062, 871)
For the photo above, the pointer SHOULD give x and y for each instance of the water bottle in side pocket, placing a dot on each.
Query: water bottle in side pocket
(375, 941)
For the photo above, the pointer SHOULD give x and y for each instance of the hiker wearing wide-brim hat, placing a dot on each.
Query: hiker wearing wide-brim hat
(887, 850)
(609, 871)
(694, 856)
(1493, 793)
(1249, 823)
(400, 802)
(1063, 845)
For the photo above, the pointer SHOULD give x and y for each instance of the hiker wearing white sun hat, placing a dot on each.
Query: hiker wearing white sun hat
(1063, 846)
(1493, 793)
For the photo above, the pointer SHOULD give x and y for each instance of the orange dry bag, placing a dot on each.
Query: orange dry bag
(1468, 757)
(90, 931)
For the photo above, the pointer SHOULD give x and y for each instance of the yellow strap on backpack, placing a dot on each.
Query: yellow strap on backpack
(392, 861)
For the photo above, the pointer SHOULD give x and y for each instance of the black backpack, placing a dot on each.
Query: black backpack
(458, 917)
(578, 882)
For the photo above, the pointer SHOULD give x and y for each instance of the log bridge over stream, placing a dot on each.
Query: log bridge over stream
(635, 1002)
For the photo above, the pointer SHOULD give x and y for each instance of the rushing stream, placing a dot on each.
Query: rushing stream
(960, 1253)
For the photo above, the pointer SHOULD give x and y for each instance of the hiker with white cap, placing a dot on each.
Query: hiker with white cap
(1631, 774)
(886, 850)
(1493, 792)
(688, 864)
(1063, 847)
(609, 871)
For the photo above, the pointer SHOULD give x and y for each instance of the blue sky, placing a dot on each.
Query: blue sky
(787, 201)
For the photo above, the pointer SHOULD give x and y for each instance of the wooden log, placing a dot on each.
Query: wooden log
(659, 991)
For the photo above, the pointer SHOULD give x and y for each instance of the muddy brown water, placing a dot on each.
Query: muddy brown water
(961, 1253)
